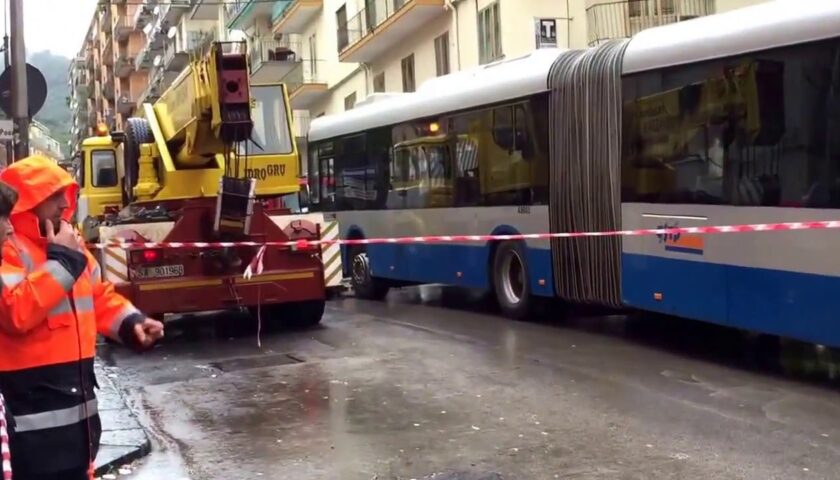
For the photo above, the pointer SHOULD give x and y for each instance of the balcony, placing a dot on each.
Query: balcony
(105, 17)
(609, 20)
(126, 104)
(145, 58)
(171, 12)
(175, 58)
(241, 14)
(123, 26)
(155, 34)
(152, 91)
(381, 25)
(306, 85)
(108, 53)
(108, 88)
(293, 16)
(205, 10)
(124, 64)
(271, 60)
(142, 16)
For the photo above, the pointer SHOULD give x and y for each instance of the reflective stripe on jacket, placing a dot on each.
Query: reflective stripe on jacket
(52, 304)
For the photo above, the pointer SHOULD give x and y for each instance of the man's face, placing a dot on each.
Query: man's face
(51, 209)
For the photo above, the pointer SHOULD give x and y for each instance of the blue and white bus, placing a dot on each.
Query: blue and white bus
(726, 119)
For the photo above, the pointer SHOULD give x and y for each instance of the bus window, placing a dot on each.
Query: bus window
(503, 128)
(103, 168)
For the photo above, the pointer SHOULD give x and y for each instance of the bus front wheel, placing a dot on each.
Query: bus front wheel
(510, 280)
(364, 285)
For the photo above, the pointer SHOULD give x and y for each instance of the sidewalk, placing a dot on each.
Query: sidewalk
(123, 439)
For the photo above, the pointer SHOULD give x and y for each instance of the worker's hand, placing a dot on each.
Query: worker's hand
(148, 332)
(67, 236)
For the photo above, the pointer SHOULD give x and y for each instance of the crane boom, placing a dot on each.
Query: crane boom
(207, 108)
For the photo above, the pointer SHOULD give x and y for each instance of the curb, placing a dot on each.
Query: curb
(123, 440)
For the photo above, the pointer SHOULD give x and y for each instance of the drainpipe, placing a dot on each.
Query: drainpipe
(451, 6)
(368, 81)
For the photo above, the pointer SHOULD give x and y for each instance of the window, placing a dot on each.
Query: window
(489, 34)
(272, 133)
(442, 54)
(103, 168)
(408, 74)
(379, 83)
(350, 101)
(752, 130)
(341, 22)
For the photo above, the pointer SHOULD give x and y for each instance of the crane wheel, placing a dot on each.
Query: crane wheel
(137, 132)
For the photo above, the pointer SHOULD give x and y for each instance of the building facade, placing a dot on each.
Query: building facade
(42, 143)
(334, 54)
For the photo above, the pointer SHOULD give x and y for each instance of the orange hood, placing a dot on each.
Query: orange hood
(36, 178)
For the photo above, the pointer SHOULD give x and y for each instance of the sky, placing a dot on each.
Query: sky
(56, 25)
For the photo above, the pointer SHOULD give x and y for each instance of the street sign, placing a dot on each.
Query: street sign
(7, 130)
(36, 88)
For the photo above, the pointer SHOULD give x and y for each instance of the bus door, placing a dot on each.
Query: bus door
(401, 195)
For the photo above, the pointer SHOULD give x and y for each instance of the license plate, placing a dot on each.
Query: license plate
(161, 271)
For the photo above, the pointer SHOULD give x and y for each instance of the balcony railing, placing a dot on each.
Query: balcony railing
(610, 20)
(307, 73)
(270, 50)
(142, 16)
(123, 26)
(234, 8)
(367, 19)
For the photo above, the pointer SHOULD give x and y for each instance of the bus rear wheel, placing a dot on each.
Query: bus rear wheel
(365, 286)
(510, 281)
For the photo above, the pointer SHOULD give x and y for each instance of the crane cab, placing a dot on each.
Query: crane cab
(98, 176)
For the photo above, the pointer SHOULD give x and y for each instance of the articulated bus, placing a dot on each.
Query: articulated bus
(726, 119)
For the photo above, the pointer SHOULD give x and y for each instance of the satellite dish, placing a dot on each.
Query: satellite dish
(36, 89)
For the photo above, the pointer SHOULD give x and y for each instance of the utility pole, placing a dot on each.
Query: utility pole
(10, 155)
(20, 102)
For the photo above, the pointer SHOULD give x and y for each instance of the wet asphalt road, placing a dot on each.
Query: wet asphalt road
(407, 389)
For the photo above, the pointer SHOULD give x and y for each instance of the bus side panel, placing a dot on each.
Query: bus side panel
(780, 283)
(466, 264)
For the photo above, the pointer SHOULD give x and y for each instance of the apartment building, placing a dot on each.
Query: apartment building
(132, 53)
(41, 142)
(346, 50)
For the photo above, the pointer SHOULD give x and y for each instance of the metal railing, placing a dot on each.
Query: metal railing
(280, 8)
(308, 72)
(123, 25)
(625, 18)
(366, 20)
(233, 9)
(269, 50)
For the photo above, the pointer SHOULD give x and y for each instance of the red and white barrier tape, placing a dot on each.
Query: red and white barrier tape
(5, 453)
(303, 244)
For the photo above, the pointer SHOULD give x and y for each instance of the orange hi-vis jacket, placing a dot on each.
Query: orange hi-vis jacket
(52, 304)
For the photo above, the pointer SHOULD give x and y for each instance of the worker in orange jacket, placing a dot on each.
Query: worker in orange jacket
(52, 304)
(8, 197)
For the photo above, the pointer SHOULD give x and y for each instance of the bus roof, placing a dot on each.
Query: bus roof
(760, 27)
(494, 82)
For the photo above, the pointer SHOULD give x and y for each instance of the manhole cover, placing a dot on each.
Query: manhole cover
(262, 361)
